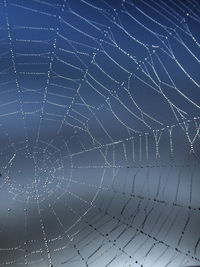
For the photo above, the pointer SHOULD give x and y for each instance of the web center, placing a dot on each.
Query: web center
(34, 174)
(23, 169)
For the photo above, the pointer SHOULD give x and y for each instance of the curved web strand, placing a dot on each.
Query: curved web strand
(100, 133)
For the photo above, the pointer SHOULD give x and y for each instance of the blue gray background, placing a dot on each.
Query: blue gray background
(99, 119)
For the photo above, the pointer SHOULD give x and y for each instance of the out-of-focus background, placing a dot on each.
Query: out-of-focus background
(99, 133)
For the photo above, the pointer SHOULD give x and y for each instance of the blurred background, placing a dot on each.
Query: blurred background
(99, 133)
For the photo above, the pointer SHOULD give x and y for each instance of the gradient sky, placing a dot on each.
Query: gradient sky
(99, 119)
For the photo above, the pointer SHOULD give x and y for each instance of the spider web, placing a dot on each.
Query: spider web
(99, 118)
